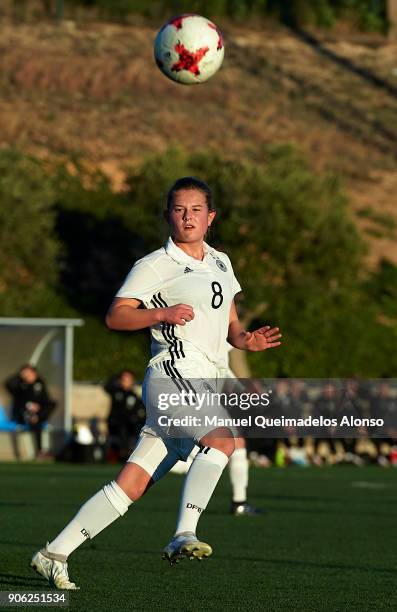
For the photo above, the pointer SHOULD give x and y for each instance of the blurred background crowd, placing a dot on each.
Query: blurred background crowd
(111, 439)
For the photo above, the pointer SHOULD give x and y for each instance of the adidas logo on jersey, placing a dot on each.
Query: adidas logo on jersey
(187, 270)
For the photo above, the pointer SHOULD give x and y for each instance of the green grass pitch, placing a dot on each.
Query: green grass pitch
(327, 542)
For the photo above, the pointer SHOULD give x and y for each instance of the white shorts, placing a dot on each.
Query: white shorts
(157, 455)
(162, 442)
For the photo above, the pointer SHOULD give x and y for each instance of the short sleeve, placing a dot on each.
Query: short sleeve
(236, 287)
(141, 283)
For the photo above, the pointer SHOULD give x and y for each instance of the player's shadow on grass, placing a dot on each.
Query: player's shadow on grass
(328, 500)
(30, 545)
(103, 548)
(326, 510)
(311, 564)
(18, 581)
(89, 547)
(40, 502)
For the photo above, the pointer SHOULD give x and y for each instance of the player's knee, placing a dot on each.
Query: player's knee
(222, 439)
(119, 498)
(135, 490)
(239, 443)
(133, 480)
(225, 445)
(144, 463)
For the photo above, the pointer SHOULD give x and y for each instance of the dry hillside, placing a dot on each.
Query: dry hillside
(94, 91)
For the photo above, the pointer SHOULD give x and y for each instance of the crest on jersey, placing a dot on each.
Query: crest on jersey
(221, 265)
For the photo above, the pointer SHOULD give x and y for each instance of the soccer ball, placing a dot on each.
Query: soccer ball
(189, 49)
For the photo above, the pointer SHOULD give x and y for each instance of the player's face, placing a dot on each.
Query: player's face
(126, 380)
(189, 216)
(329, 391)
(28, 375)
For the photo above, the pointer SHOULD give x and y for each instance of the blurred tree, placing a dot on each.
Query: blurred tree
(392, 18)
(100, 246)
(19, 9)
(47, 7)
(100, 352)
(59, 9)
(28, 247)
(295, 250)
(99, 250)
(288, 231)
(367, 14)
(382, 287)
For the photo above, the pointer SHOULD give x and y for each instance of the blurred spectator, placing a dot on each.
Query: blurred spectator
(299, 398)
(353, 404)
(31, 405)
(354, 401)
(300, 405)
(126, 416)
(286, 404)
(384, 406)
(327, 405)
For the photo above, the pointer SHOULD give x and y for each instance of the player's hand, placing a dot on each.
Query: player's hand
(262, 338)
(180, 314)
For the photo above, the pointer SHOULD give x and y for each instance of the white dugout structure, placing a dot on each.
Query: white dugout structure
(48, 345)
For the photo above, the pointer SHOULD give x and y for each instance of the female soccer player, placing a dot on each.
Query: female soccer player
(184, 292)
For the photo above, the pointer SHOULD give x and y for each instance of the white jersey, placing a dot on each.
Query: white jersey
(169, 276)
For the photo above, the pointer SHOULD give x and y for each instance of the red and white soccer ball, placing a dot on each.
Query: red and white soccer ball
(189, 49)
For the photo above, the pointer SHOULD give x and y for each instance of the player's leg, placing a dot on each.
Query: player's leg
(36, 434)
(150, 460)
(182, 467)
(238, 471)
(206, 469)
(96, 514)
(112, 501)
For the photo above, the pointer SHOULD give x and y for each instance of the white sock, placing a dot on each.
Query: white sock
(96, 514)
(182, 467)
(238, 466)
(199, 486)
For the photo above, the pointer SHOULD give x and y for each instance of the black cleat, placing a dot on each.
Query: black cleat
(243, 508)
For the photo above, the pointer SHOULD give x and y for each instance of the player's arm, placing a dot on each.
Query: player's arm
(124, 314)
(258, 340)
